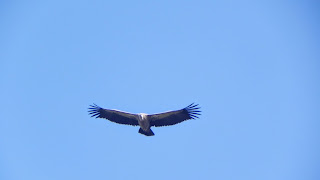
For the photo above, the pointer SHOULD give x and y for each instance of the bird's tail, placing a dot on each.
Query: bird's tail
(147, 133)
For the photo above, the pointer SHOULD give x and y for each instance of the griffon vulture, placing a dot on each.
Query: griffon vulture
(145, 121)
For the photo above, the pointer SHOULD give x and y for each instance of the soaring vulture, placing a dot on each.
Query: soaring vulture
(146, 121)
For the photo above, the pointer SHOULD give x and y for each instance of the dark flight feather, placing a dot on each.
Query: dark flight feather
(113, 115)
(175, 117)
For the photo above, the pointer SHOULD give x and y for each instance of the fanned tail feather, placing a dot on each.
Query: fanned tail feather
(147, 133)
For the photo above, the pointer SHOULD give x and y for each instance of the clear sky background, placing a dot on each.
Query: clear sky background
(253, 66)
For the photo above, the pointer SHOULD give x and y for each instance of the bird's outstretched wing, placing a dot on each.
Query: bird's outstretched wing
(113, 115)
(175, 117)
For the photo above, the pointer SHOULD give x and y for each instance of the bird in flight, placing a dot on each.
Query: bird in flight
(146, 121)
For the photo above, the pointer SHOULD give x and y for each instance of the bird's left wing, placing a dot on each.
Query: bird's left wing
(113, 115)
(175, 117)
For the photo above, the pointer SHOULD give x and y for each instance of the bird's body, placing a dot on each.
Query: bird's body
(146, 121)
(144, 124)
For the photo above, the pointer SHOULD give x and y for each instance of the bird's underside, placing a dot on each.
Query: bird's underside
(146, 121)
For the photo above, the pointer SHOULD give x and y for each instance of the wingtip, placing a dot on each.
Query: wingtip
(193, 105)
(94, 110)
(193, 110)
(94, 106)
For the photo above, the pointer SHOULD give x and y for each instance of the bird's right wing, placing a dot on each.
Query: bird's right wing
(174, 117)
(113, 115)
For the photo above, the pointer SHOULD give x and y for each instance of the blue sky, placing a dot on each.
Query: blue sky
(253, 66)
